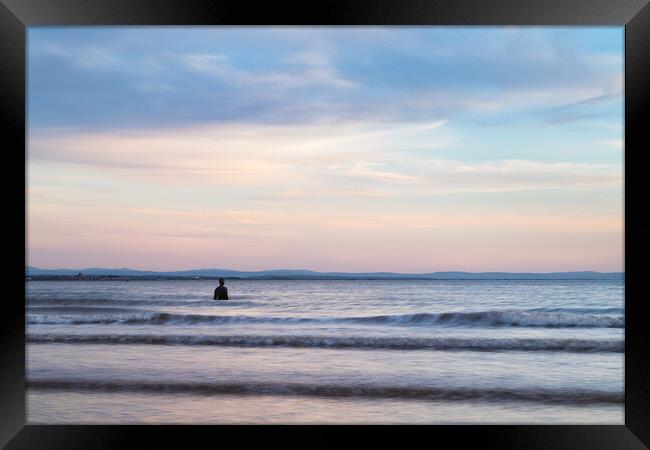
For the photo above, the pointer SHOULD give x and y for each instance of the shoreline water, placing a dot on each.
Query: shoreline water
(104, 351)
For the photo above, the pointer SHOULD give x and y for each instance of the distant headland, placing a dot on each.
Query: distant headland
(34, 273)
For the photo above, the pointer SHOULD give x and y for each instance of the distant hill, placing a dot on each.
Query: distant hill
(310, 274)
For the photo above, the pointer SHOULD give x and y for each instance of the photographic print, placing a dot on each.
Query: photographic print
(325, 225)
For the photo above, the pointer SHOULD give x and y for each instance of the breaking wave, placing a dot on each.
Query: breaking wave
(513, 318)
(335, 342)
(422, 393)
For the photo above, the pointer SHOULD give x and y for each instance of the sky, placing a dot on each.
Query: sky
(358, 149)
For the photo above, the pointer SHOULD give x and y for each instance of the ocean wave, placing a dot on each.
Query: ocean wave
(337, 342)
(514, 318)
(422, 393)
(580, 310)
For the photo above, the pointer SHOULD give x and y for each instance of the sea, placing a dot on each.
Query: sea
(325, 352)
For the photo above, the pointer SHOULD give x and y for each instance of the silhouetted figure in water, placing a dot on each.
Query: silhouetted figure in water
(221, 293)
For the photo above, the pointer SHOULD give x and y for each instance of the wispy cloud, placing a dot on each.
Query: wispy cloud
(89, 57)
(311, 75)
(614, 143)
(406, 149)
(309, 159)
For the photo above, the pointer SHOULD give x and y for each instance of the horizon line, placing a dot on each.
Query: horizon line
(320, 271)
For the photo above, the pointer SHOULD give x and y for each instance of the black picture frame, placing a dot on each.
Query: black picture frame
(16, 15)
